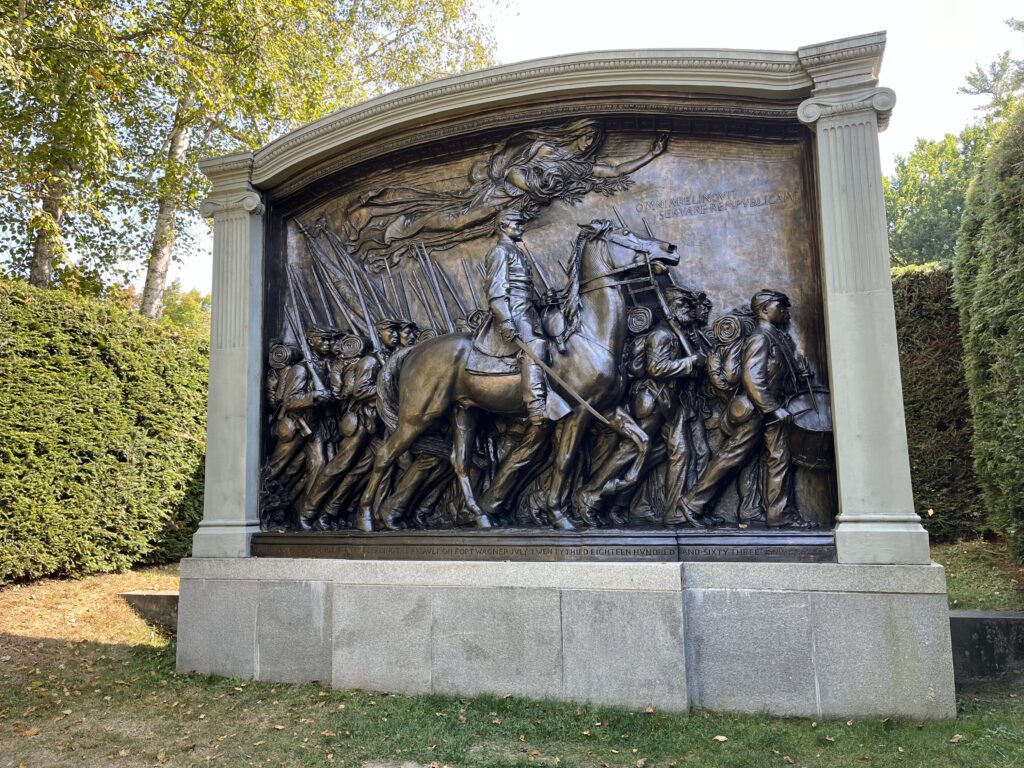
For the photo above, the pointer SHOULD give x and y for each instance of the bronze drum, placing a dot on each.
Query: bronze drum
(810, 434)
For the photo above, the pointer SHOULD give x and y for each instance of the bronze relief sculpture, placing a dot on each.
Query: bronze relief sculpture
(430, 370)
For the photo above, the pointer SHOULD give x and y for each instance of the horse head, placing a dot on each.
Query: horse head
(625, 249)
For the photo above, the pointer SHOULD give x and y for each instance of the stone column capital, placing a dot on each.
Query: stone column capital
(231, 177)
(879, 100)
(249, 202)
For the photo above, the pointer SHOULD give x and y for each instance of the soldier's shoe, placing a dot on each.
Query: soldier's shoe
(307, 522)
(364, 520)
(587, 505)
(710, 520)
(794, 521)
(562, 523)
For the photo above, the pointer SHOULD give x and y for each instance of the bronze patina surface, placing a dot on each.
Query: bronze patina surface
(605, 326)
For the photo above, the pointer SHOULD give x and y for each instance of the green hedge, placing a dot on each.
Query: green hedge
(101, 435)
(989, 287)
(946, 493)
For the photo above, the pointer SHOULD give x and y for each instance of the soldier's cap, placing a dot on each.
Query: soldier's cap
(766, 296)
(691, 295)
(324, 331)
(388, 325)
(408, 325)
(511, 216)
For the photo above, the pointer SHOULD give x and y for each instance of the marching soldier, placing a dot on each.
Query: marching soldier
(756, 417)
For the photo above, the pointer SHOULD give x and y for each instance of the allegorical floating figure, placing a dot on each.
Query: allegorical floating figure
(529, 170)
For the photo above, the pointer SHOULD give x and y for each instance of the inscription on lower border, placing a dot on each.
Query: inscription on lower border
(655, 546)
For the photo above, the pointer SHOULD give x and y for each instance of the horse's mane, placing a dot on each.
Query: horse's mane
(571, 302)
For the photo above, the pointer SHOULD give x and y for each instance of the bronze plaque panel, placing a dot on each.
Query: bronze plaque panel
(607, 324)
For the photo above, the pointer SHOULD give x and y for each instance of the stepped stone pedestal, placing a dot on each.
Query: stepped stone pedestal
(864, 636)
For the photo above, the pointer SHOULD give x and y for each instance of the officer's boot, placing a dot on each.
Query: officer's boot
(535, 390)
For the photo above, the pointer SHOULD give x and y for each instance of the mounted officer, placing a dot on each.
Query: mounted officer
(514, 315)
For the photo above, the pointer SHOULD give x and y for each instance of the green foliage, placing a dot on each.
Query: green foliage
(935, 400)
(924, 198)
(1002, 81)
(186, 309)
(102, 435)
(106, 106)
(989, 288)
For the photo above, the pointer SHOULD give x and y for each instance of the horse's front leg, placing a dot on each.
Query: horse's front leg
(574, 427)
(463, 433)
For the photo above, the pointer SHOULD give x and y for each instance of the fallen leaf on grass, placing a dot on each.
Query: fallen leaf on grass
(830, 738)
(787, 760)
(496, 721)
(849, 722)
(278, 727)
(33, 731)
(721, 738)
(641, 762)
(956, 739)
(649, 710)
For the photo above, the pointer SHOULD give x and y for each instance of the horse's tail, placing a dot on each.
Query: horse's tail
(387, 388)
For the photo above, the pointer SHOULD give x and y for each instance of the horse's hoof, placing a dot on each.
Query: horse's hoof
(364, 521)
(563, 523)
(482, 521)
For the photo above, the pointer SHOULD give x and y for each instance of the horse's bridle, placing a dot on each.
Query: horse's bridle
(586, 287)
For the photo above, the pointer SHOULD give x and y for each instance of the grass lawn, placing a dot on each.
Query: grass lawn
(84, 682)
(979, 575)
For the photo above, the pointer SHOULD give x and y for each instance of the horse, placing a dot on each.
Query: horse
(433, 380)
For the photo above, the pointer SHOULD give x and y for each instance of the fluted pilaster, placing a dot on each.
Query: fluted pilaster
(877, 523)
(230, 510)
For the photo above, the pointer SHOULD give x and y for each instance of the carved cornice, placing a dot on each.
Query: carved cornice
(250, 202)
(816, 57)
(767, 74)
(881, 100)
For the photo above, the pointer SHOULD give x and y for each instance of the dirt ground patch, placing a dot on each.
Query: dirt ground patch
(86, 610)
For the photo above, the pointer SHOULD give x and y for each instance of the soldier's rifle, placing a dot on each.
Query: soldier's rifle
(320, 270)
(403, 297)
(391, 279)
(291, 313)
(420, 294)
(371, 330)
(451, 289)
(432, 282)
(662, 301)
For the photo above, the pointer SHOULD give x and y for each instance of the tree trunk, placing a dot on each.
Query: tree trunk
(47, 243)
(168, 203)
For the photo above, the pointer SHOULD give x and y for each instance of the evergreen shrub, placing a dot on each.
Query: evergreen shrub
(102, 432)
(989, 288)
(939, 424)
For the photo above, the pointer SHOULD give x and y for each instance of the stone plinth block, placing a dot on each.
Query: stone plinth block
(799, 639)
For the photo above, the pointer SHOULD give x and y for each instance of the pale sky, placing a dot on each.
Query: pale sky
(930, 48)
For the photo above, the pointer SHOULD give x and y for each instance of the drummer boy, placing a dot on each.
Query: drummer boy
(756, 419)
